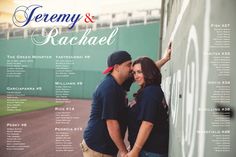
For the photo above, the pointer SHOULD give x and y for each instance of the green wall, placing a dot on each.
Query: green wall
(139, 40)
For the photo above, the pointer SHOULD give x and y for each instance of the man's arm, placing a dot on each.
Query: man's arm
(115, 134)
(165, 58)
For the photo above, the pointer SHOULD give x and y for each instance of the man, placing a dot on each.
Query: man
(106, 128)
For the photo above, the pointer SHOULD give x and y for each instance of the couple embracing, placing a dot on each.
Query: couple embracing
(145, 118)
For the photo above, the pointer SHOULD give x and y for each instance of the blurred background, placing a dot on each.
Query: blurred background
(139, 26)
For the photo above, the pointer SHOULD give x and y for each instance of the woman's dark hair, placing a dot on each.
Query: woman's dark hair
(151, 73)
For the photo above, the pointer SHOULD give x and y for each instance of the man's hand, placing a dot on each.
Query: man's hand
(115, 134)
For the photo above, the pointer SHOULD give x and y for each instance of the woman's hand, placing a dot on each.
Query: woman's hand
(166, 57)
(167, 54)
(133, 153)
(123, 154)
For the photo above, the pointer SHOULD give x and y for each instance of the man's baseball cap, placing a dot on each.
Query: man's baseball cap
(117, 57)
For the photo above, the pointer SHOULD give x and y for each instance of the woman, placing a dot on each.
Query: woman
(148, 118)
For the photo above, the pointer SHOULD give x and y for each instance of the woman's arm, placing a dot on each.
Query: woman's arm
(143, 134)
(165, 58)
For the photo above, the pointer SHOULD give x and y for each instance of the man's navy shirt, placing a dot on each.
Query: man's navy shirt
(109, 102)
(150, 106)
